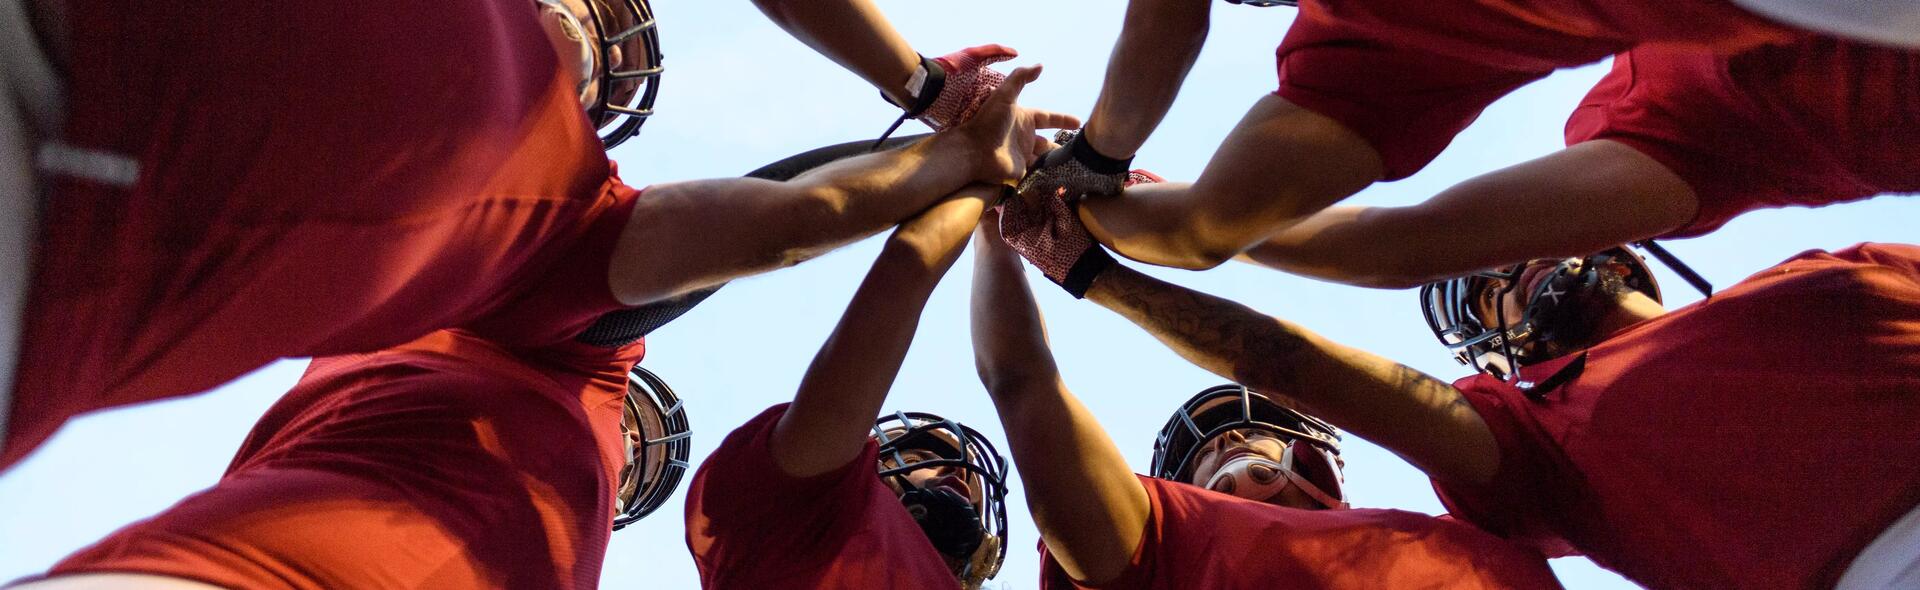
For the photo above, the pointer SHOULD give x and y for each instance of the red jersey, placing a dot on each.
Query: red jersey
(448, 462)
(1758, 439)
(750, 526)
(1197, 538)
(1813, 123)
(413, 168)
(1408, 75)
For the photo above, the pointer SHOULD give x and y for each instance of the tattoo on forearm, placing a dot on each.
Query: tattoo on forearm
(1219, 335)
(1254, 349)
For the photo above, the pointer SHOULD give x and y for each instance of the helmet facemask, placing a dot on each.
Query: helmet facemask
(1561, 307)
(1310, 462)
(970, 535)
(659, 441)
(620, 62)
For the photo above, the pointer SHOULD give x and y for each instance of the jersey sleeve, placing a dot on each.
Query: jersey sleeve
(744, 512)
(1513, 505)
(573, 292)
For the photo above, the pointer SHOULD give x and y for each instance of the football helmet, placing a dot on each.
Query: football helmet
(626, 89)
(659, 441)
(968, 533)
(1466, 315)
(1311, 461)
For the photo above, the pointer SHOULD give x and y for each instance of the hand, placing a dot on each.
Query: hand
(1073, 170)
(938, 234)
(1001, 134)
(968, 83)
(1049, 234)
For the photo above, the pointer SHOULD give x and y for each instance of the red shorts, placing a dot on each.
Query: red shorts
(1409, 75)
(401, 179)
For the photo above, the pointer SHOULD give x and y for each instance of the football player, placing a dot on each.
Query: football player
(1759, 439)
(1244, 492)
(225, 241)
(452, 461)
(802, 496)
(447, 462)
(1369, 91)
(1672, 143)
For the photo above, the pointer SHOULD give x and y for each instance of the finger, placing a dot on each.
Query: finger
(992, 53)
(1009, 90)
(1039, 148)
(1050, 120)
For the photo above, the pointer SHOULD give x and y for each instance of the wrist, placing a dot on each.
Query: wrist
(1091, 136)
(1084, 152)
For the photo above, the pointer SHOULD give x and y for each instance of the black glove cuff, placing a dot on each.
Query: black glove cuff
(928, 92)
(1090, 266)
(1084, 153)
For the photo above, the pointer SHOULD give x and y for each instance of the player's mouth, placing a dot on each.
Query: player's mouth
(954, 484)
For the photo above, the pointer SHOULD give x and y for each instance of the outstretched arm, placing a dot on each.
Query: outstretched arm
(1583, 199)
(1157, 47)
(691, 235)
(842, 392)
(852, 33)
(1089, 508)
(1416, 416)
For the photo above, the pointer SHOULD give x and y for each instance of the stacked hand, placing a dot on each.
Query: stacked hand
(1074, 169)
(1001, 133)
(1048, 233)
(967, 85)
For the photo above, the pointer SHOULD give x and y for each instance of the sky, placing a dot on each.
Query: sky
(739, 93)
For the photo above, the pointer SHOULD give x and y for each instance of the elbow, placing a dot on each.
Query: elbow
(1007, 382)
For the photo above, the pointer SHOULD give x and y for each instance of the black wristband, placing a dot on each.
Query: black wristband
(929, 92)
(1084, 153)
(1090, 266)
(929, 89)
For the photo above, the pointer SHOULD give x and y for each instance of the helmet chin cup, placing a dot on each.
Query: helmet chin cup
(1243, 477)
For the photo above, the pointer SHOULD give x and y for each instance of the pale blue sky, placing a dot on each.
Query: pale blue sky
(738, 93)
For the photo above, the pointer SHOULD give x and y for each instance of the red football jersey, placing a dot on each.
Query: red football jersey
(448, 462)
(750, 526)
(1408, 75)
(1758, 439)
(415, 168)
(1197, 538)
(1812, 123)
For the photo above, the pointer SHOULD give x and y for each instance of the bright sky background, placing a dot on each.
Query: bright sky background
(738, 93)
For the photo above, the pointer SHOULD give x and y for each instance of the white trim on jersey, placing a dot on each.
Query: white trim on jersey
(31, 103)
(1891, 562)
(1889, 22)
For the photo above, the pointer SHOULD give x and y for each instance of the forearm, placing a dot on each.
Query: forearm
(1368, 247)
(1157, 47)
(1085, 501)
(1586, 198)
(847, 383)
(691, 235)
(852, 33)
(1423, 420)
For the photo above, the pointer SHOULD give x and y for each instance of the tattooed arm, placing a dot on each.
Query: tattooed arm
(1418, 417)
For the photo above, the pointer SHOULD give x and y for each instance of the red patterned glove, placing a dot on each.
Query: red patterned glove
(967, 84)
(1050, 236)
